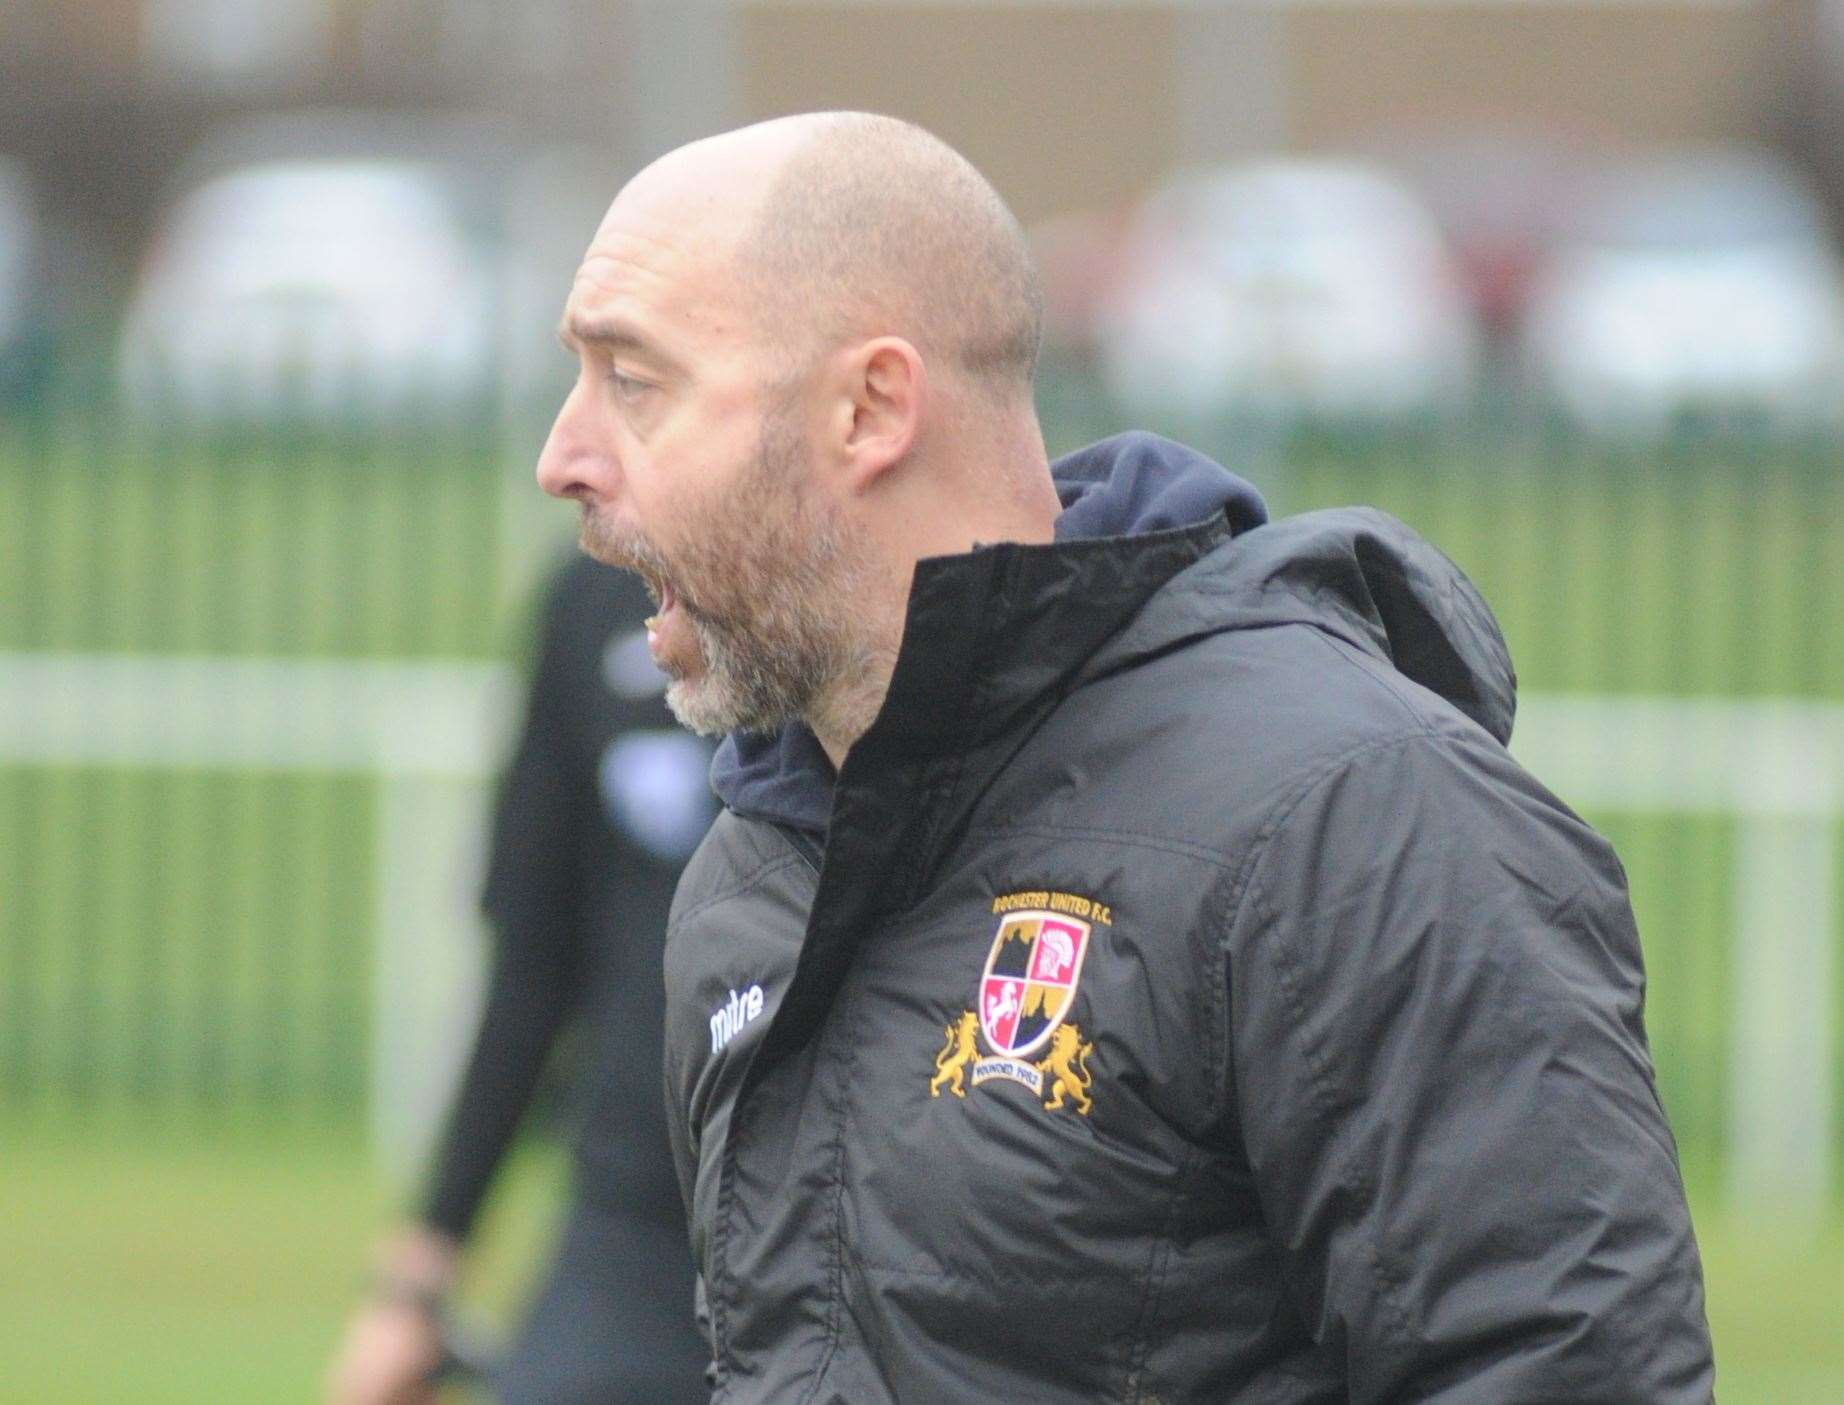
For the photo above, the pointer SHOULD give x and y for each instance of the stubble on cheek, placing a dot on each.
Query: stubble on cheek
(622, 548)
(762, 589)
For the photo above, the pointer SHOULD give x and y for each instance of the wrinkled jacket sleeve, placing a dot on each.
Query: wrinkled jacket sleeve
(679, 1075)
(685, 1159)
(1440, 1071)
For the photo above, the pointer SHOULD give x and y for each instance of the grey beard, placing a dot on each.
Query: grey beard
(749, 684)
(791, 642)
(785, 636)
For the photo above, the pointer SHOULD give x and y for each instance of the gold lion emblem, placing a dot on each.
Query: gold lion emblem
(961, 1050)
(1066, 1067)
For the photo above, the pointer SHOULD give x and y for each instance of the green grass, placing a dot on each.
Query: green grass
(185, 936)
(199, 1262)
(176, 1264)
(1774, 1293)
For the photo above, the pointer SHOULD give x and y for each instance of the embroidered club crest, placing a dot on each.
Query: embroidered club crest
(1026, 990)
(1030, 979)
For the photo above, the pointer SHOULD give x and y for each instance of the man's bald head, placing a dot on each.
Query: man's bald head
(805, 356)
(871, 226)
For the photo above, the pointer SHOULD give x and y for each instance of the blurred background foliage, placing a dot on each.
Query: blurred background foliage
(1556, 283)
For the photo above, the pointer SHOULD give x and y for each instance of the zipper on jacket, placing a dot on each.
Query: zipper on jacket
(804, 844)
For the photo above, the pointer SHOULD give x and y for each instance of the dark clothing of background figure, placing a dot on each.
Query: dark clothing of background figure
(605, 798)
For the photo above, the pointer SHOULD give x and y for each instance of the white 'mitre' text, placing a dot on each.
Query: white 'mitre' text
(733, 1014)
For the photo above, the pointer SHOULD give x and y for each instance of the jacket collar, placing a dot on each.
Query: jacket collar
(1000, 631)
(993, 640)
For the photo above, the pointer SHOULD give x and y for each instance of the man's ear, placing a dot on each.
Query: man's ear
(887, 386)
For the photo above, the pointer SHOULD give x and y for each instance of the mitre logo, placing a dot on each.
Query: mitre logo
(729, 1018)
(1025, 993)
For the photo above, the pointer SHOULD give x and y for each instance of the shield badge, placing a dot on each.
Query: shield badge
(1030, 978)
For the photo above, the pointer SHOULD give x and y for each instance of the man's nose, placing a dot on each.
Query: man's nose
(572, 463)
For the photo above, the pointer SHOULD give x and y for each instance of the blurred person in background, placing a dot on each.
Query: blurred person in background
(604, 800)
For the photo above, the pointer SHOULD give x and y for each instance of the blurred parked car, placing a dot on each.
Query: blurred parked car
(326, 287)
(1286, 288)
(1701, 285)
(341, 266)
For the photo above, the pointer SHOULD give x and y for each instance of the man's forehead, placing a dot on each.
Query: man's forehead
(669, 242)
(664, 238)
(713, 186)
(731, 170)
(630, 270)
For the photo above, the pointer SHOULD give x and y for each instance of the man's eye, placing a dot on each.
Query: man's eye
(627, 388)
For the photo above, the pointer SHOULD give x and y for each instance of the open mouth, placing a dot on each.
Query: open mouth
(665, 602)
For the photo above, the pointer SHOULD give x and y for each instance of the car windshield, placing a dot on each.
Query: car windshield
(1290, 215)
(1705, 205)
(307, 205)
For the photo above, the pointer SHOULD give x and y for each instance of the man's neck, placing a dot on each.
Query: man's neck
(848, 708)
(845, 711)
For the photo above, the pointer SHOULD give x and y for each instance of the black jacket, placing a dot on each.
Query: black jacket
(1194, 1001)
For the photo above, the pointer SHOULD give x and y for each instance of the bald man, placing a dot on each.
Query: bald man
(1129, 964)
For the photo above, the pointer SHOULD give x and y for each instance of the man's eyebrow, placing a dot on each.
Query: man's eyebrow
(608, 335)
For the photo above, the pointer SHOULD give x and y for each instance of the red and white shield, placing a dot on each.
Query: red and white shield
(1030, 979)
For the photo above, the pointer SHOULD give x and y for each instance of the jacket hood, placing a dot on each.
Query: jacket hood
(1134, 484)
(1353, 572)
(1156, 545)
